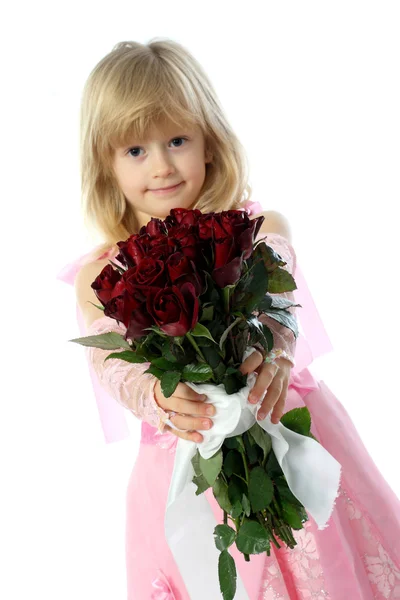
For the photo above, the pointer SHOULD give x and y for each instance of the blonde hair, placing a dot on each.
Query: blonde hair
(132, 88)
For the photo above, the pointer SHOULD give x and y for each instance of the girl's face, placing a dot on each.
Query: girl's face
(170, 156)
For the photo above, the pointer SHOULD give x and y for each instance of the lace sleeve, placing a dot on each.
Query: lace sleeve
(283, 337)
(126, 382)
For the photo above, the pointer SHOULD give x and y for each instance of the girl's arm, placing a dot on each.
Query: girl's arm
(283, 337)
(125, 382)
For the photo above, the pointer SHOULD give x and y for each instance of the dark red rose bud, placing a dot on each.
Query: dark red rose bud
(230, 273)
(104, 284)
(155, 227)
(140, 320)
(174, 309)
(149, 272)
(178, 264)
(207, 225)
(183, 216)
(247, 238)
(132, 250)
(224, 251)
(120, 308)
(162, 248)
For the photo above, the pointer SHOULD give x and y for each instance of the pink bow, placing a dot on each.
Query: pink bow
(303, 382)
(162, 590)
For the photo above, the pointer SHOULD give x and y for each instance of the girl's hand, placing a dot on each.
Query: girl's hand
(273, 378)
(191, 408)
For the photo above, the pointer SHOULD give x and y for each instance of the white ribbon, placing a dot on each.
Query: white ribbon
(312, 474)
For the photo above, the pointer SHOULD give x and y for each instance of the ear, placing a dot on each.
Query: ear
(208, 156)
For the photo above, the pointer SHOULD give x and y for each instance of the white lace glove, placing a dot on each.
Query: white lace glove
(126, 382)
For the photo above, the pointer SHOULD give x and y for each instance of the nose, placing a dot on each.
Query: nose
(162, 164)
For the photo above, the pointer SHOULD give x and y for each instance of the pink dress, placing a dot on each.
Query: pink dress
(356, 557)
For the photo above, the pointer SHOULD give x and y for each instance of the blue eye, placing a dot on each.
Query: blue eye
(139, 147)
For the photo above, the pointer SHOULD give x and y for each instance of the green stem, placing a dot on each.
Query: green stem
(195, 346)
(268, 527)
(226, 294)
(245, 464)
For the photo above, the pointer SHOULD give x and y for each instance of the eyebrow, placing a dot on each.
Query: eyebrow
(170, 137)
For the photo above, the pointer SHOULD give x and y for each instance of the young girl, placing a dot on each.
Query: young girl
(151, 120)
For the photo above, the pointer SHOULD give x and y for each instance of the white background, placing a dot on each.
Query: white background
(312, 90)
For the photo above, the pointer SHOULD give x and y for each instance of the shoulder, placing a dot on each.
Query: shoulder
(275, 222)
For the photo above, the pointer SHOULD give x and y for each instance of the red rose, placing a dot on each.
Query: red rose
(139, 321)
(229, 274)
(162, 250)
(155, 228)
(182, 269)
(131, 251)
(148, 272)
(207, 227)
(174, 309)
(105, 283)
(183, 216)
(228, 262)
(186, 240)
(120, 307)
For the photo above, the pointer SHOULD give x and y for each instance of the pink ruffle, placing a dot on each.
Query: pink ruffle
(162, 589)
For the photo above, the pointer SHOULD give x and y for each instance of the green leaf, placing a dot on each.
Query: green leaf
(246, 505)
(227, 575)
(251, 448)
(252, 538)
(233, 463)
(220, 491)
(155, 371)
(207, 313)
(106, 341)
(298, 420)
(285, 492)
(261, 438)
(227, 330)
(280, 281)
(211, 467)
(169, 381)
(197, 372)
(224, 536)
(202, 331)
(261, 489)
(235, 494)
(231, 443)
(96, 305)
(291, 516)
(284, 318)
(128, 356)
(202, 484)
(256, 286)
(166, 365)
(196, 463)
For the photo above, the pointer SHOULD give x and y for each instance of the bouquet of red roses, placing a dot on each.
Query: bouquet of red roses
(189, 290)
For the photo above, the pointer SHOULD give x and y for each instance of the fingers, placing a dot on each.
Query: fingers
(279, 407)
(191, 423)
(276, 392)
(192, 436)
(265, 378)
(251, 363)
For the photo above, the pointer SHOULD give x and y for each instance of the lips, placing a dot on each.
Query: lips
(166, 190)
